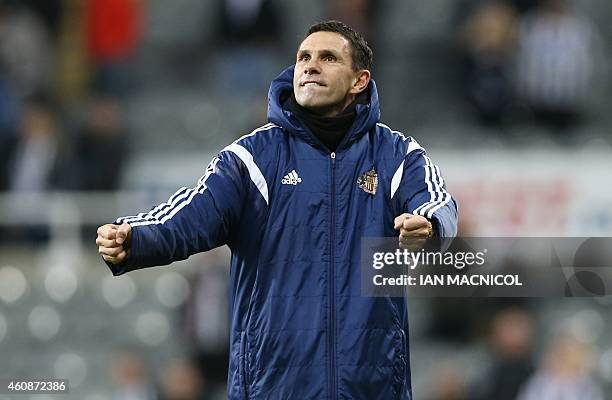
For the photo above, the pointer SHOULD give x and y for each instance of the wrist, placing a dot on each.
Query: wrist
(431, 229)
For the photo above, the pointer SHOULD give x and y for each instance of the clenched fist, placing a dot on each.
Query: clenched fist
(114, 242)
(414, 231)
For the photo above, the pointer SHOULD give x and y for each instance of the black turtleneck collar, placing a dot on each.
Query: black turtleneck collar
(329, 130)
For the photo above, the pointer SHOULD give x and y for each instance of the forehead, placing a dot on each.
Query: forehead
(325, 41)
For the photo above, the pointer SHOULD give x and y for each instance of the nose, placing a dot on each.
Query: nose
(312, 67)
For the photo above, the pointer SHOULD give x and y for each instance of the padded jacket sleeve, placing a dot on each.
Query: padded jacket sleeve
(423, 192)
(191, 221)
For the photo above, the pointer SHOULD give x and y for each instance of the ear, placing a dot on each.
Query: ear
(360, 83)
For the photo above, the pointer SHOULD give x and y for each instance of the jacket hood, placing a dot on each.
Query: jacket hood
(282, 86)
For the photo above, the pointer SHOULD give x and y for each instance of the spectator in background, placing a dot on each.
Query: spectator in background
(206, 321)
(248, 34)
(554, 63)
(130, 378)
(50, 14)
(249, 21)
(9, 114)
(25, 53)
(113, 33)
(35, 158)
(181, 380)
(488, 43)
(99, 146)
(448, 383)
(360, 14)
(511, 343)
(32, 167)
(564, 374)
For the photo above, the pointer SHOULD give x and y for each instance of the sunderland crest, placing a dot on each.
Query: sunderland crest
(368, 182)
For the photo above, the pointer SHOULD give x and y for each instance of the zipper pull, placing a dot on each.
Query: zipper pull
(333, 156)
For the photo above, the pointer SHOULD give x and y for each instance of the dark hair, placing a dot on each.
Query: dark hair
(361, 54)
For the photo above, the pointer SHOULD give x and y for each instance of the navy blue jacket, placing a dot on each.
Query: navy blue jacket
(293, 215)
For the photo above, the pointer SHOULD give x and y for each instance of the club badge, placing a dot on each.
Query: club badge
(368, 182)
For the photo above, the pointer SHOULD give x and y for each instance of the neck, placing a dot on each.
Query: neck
(329, 128)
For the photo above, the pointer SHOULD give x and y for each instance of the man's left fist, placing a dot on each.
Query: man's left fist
(414, 231)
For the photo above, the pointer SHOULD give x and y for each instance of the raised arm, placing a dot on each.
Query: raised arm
(191, 221)
(423, 197)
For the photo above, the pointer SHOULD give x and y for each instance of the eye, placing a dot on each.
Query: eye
(329, 58)
(304, 57)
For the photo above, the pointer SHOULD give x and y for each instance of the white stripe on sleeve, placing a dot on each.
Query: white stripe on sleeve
(153, 218)
(254, 171)
(434, 179)
(397, 176)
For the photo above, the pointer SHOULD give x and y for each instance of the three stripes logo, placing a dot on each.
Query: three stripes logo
(291, 178)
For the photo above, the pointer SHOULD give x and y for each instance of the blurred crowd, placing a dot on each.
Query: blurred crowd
(200, 371)
(67, 73)
(69, 68)
(522, 365)
(516, 362)
(527, 61)
(64, 67)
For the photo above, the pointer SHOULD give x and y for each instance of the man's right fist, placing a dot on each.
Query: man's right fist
(114, 242)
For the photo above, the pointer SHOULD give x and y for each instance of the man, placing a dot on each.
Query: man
(292, 200)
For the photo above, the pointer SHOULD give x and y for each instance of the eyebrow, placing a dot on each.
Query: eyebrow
(323, 52)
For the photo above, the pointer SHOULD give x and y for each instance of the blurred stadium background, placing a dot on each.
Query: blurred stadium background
(107, 106)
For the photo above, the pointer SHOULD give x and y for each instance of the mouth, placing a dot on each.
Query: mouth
(312, 83)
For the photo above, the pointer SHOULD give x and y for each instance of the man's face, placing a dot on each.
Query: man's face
(323, 80)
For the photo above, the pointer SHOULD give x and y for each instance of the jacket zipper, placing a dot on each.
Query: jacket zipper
(331, 325)
(332, 284)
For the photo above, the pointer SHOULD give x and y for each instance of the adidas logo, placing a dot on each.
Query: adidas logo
(291, 178)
